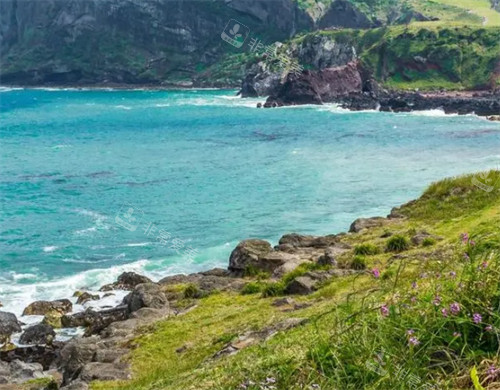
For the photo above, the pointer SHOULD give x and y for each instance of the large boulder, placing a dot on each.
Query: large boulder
(93, 320)
(40, 308)
(76, 354)
(247, 254)
(8, 325)
(44, 355)
(20, 372)
(146, 295)
(38, 334)
(366, 223)
(126, 281)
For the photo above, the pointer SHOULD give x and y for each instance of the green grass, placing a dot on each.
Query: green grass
(482, 8)
(366, 249)
(360, 328)
(397, 243)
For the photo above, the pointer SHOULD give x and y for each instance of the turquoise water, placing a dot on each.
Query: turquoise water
(205, 168)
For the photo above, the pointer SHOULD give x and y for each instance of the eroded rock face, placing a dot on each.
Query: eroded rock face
(317, 87)
(247, 254)
(259, 81)
(8, 325)
(146, 295)
(40, 308)
(38, 334)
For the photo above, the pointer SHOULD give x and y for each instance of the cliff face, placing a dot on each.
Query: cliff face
(129, 41)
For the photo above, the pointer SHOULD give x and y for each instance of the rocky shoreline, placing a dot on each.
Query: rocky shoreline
(353, 88)
(99, 354)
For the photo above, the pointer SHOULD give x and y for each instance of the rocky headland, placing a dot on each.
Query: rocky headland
(108, 333)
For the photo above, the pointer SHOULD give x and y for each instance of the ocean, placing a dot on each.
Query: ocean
(97, 182)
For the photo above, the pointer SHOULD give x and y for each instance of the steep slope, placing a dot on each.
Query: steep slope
(129, 41)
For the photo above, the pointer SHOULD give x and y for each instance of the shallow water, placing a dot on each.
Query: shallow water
(202, 170)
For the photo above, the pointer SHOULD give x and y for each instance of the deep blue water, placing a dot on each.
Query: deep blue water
(204, 168)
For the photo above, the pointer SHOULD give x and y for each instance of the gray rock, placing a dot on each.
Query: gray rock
(8, 325)
(40, 308)
(38, 334)
(126, 281)
(75, 354)
(331, 255)
(247, 253)
(302, 285)
(76, 385)
(85, 297)
(95, 319)
(304, 241)
(21, 372)
(419, 238)
(366, 223)
(110, 355)
(104, 372)
(146, 295)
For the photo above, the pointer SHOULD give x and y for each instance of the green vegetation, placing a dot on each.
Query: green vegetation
(358, 263)
(426, 56)
(397, 243)
(366, 250)
(431, 318)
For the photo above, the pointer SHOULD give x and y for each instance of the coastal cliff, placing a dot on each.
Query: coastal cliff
(310, 312)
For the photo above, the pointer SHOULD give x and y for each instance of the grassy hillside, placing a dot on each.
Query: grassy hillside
(426, 57)
(478, 12)
(424, 312)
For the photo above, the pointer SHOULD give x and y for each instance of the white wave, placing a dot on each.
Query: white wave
(431, 113)
(122, 107)
(138, 244)
(50, 248)
(85, 231)
(61, 146)
(162, 105)
(8, 89)
(17, 277)
(90, 213)
(16, 296)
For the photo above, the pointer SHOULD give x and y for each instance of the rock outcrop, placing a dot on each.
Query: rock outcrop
(126, 281)
(316, 87)
(146, 295)
(8, 325)
(40, 308)
(38, 334)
